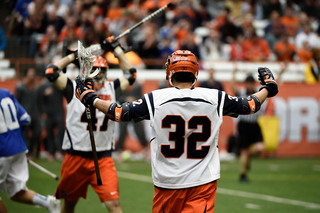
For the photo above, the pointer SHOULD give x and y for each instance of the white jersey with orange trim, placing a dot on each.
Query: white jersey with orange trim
(77, 135)
(185, 127)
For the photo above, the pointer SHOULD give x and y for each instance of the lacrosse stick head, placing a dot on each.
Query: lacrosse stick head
(86, 61)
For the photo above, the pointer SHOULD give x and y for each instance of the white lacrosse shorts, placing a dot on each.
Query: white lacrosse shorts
(14, 174)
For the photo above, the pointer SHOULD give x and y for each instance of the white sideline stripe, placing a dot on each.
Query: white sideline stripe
(147, 179)
(268, 198)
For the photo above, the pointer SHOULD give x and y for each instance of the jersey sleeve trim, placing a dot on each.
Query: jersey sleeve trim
(25, 119)
(221, 98)
(150, 104)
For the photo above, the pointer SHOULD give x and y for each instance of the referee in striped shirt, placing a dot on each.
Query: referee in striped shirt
(249, 132)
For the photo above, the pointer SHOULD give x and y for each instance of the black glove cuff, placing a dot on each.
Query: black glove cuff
(75, 61)
(272, 90)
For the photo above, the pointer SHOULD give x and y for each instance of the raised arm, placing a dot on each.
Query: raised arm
(129, 72)
(52, 71)
(234, 106)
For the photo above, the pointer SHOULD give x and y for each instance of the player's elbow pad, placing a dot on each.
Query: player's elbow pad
(250, 105)
(118, 112)
(52, 72)
(130, 75)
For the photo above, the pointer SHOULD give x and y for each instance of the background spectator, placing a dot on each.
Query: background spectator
(236, 48)
(211, 82)
(304, 53)
(290, 21)
(271, 5)
(312, 71)
(255, 48)
(283, 49)
(26, 94)
(52, 114)
(307, 34)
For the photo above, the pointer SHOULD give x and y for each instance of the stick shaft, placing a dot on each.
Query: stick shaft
(44, 170)
(151, 16)
(93, 146)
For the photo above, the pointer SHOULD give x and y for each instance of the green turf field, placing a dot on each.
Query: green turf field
(277, 185)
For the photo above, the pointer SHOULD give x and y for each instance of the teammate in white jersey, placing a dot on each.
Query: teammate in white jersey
(185, 123)
(78, 169)
(14, 172)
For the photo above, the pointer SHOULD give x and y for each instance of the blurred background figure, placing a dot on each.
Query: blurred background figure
(307, 34)
(211, 82)
(52, 115)
(26, 94)
(255, 48)
(249, 136)
(3, 42)
(133, 93)
(284, 49)
(312, 71)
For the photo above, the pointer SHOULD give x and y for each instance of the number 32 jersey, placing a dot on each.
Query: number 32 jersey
(77, 135)
(184, 137)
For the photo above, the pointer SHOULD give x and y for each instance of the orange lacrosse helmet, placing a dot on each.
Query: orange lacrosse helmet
(101, 64)
(182, 61)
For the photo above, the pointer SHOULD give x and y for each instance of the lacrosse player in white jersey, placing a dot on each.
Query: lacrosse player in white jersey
(185, 124)
(78, 170)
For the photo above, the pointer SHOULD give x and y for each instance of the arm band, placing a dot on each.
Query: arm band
(250, 105)
(52, 72)
(118, 112)
(130, 75)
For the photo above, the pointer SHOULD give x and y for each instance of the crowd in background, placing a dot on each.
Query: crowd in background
(225, 30)
(212, 29)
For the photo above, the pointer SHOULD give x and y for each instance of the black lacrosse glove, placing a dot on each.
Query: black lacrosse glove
(75, 52)
(267, 81)
(85, 91)
(109, 45)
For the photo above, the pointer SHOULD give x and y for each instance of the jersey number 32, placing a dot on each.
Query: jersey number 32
(178, 136)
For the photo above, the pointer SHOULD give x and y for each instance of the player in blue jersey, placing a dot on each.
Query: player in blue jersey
(14, 172)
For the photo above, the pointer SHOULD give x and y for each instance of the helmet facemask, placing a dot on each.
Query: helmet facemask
(101, 77)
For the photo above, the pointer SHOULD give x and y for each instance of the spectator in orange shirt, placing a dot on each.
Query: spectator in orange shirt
(304, 53)
(284, 49)
(236, 50)
(290, 21)
(181, 30)
(255, 48)
(71, 26)
(183, 11)
(115, 11)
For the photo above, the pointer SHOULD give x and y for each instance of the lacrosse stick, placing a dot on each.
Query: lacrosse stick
(96, 48)
(86, 61)
(44, 170)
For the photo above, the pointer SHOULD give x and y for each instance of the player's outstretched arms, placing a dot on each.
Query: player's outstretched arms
(53, 70)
